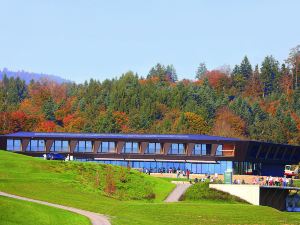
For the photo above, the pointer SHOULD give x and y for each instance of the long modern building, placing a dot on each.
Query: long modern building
(198, 153)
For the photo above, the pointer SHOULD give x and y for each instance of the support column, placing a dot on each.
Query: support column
(143, 147)
(3, 145)
(213, 149)
(24, 144)
(49, 144)
(189, 149)
(166, 148)
(73, 144)
(120, 145)
(96, 146)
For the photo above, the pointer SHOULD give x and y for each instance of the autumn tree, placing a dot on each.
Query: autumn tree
(228, 124)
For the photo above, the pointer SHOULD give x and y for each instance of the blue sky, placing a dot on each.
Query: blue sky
(79, 40)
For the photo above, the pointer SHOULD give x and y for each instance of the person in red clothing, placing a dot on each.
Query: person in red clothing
(188, 174)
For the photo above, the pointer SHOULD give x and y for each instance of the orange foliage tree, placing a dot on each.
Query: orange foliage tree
(216, 79)
(228, 124)
(46, 126)
(196, 123)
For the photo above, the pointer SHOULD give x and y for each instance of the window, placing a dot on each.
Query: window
(177, 149)
(131, 147)
(106, 146)
(219, 151)
(153, 148)
(36, 146)
(60, 146)
(84, 146)
(13, 145)
(199, 149)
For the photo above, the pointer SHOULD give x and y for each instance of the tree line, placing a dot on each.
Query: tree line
(260, 102)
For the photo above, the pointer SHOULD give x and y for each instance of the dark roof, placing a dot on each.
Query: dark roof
(185, 137)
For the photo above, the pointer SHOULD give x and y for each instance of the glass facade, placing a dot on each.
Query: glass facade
(84, 146)
(177, 149)
(199, 168)
(153, 148)
(13, 145)
(60, 146)
(199, 149)
(107, 146)
(36, 146)
(130, 147)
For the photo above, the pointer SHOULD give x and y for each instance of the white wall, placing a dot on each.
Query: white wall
(249, 193)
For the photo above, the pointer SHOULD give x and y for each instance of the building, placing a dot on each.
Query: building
(198, 153)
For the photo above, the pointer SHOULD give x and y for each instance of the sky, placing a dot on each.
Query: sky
(83, 39)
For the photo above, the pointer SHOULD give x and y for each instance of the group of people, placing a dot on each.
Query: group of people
(268, 181)
(207, 178)
(279, 181)
(185, 173)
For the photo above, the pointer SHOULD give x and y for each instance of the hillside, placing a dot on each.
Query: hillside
(19, 212)
(250, 102)
(71, 184)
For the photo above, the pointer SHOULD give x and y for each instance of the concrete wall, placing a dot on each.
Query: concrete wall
(249, 193)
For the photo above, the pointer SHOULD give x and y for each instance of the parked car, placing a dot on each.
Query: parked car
(54, 156)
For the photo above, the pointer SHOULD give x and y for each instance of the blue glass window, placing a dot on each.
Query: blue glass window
(107, 146)
(177, 149)
(60, 146)
(153, 148)
(131, 147)
(13, 145)
(199, 149)
(84, 146)
(219, 151)
(36, 146)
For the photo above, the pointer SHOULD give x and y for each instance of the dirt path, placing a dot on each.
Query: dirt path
(95, 218)
(177, 192)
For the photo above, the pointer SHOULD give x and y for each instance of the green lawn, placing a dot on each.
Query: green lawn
(201, 192)
(74, 184)
(15, 212)
(297, 183)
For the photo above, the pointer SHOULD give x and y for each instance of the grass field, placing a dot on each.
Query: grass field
(201, 191)
(73, 184)
(15, 212)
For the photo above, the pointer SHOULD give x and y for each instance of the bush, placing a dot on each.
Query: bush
(201, 191)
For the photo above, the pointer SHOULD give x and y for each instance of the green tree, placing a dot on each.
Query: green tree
(245, 68)
(201, 71)
(270, 75)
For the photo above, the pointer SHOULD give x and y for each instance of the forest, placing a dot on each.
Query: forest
(259, 102)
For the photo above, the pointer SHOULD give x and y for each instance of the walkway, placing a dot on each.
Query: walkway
(180, 189)
(95, 218)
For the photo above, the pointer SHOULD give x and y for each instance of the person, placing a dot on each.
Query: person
(196, 180)
(243, 181)
(271, 181)
(234, 182)
(178, 174)
(188, 174)
(45, 156)
(267, 181)
(284, 181)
